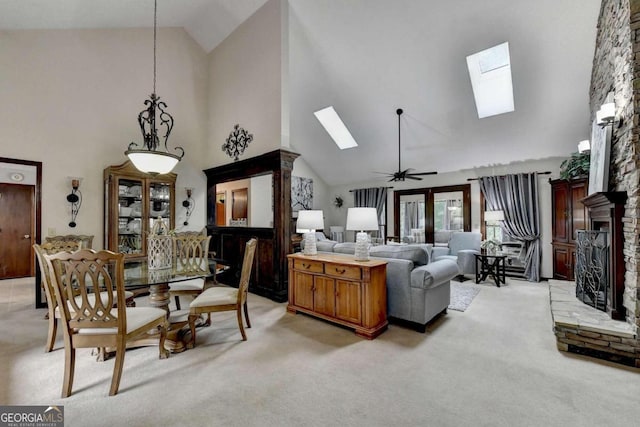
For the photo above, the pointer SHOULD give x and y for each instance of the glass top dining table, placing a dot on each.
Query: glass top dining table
(138, 275)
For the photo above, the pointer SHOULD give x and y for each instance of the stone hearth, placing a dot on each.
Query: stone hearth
(582, 329)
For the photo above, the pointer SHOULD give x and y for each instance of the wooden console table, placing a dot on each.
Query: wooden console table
(341, 290)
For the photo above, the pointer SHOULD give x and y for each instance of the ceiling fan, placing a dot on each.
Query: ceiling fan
(401, 175)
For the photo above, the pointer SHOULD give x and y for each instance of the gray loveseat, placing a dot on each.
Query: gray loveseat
(417, 289)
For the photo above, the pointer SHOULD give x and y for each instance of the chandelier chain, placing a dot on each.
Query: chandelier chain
(155, 25)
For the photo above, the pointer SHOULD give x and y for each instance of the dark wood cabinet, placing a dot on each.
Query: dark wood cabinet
(568, 215)
(269, 277)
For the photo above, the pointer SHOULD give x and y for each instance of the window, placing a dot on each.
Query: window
(420, 212)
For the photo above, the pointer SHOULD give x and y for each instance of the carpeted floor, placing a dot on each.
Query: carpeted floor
(494, 365)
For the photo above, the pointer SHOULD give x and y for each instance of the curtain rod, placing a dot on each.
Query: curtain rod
(502, 176)
(356, 189)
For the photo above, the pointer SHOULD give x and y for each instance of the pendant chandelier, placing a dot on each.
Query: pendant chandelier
(150, 157)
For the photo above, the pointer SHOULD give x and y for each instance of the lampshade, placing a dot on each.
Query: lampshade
(606, 113)
(309, 220)
(155, 162)
(584, 145)
(362, 219)
(493, 216)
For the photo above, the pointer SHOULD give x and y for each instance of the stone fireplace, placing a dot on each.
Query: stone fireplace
(616, 68)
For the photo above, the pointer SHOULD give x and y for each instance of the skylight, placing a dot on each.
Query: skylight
(490, 72)
(335, 128)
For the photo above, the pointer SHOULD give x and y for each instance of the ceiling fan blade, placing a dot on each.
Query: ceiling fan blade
(410, 176)
(424, 173)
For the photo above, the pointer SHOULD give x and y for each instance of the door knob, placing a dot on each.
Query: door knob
(26, 236)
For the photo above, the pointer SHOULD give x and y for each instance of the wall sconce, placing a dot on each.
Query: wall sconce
(606, 114)
(75, 198)
(584, 146)
(189, 204)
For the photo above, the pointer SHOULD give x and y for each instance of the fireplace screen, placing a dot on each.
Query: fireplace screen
(592, 268)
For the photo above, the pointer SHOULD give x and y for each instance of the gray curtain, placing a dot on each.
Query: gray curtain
(517, 196)
(411, 219)
(372, 198)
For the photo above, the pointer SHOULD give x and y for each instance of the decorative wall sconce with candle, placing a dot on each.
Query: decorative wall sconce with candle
(606, 114)
(75, 198)
(584, 146)
(189, 204)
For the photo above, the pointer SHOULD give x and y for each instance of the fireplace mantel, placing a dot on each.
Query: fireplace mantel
(605, 213)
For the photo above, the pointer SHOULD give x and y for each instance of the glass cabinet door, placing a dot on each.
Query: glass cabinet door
(130, 215)
(159, 203)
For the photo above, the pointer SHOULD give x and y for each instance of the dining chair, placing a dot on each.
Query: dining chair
(191, 250)
(223, 298)
(53, 312)
(86, 241)
(104, 321)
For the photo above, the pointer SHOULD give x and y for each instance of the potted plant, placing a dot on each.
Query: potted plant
(575, 166)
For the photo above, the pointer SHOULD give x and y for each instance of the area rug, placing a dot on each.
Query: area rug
(461, 296)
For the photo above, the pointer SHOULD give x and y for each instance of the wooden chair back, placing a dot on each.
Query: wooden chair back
(86, 272)
(245, 275)
(191, 250)
(86, 241)
(50, 248)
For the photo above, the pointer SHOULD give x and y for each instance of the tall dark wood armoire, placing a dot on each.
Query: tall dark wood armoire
(269, 276)
(568, 215)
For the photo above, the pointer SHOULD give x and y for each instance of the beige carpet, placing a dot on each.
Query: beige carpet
(496, 364)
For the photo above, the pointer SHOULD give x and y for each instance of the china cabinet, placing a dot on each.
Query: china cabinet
(132, 201)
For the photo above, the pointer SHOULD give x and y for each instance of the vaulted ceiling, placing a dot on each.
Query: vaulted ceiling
(369, 57)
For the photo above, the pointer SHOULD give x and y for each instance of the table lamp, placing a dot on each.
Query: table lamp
(493, 216)
(308, 223)
(361, 220)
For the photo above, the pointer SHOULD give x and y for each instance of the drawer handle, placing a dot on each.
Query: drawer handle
(341, 271)
(307, 266)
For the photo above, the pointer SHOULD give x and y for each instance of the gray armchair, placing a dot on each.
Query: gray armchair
(463, 246)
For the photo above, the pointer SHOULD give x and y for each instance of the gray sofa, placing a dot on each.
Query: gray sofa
(417, 289)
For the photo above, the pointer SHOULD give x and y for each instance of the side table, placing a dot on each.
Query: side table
(491, 265)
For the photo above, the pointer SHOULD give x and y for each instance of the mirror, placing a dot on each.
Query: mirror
(245, 202)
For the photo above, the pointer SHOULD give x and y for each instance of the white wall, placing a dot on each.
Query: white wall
(339, 216)
(245, 86)
(71, 100)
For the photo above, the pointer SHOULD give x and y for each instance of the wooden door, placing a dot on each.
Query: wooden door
(560, 206)
(239, 205)
(16, 230)
(578, 191)
(303, 290)
(348, 300)
(324, 296)
(562, 263)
